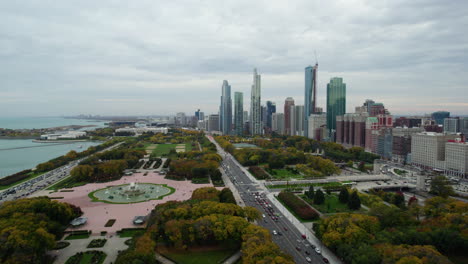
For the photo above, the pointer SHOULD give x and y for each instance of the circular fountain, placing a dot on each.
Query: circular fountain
(131, 193)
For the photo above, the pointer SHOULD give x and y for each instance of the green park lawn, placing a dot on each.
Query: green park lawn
(284, 174)
(164, 149)
(190, 256)
(130, 232)
(331, 205)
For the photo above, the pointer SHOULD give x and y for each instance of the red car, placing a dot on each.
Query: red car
(325, 260)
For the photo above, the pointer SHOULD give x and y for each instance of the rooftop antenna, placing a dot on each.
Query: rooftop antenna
(316, 61)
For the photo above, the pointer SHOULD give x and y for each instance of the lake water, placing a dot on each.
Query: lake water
(44, 122)
(20, 154)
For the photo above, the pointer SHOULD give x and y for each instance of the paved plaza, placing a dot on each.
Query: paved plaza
(98, 213)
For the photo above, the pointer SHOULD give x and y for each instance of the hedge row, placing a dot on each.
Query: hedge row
(258, 173)
(167, 163)
(298, 206)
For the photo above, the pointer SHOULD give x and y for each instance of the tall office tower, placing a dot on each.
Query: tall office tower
(225, 117)
(271, 109)
(201, 116)
(213, 123)
(310, 99)
(255, 107)
(336, 102)
(368, 104)
(246, 116)
(264, 115)
(440, 116)
(287, 115)
(197, 114)
(277, 123)
(238, 113)
(452, 125)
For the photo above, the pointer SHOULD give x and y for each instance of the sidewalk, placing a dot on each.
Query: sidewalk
(310, 236)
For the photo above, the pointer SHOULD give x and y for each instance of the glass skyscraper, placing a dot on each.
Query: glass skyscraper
(336, 101)
(225, 117)
(238, 113)
(310, 99)
(255, 107)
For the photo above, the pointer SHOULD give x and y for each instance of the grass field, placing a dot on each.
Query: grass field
(294, 213)
(284, 174)
(163, 149)
(331, 205)
(191, 256)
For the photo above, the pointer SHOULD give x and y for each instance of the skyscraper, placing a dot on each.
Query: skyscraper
(271, 108)
(225, 117)
(336, 102)
(255, 107)
(287, 115)
(310, 99)
(277, 123)
(238, 113)
(439, 116)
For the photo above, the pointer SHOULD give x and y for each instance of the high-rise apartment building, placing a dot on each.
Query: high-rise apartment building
(336, 102)
(368, 104)
(225, 117)
(287, 115)
(317, 126)
(310, 95)
(439, 116)
(464, 125)
(351, 128)
(238, 113)
(296, 120)
(255, 106)
(181, 119)
(277, 123)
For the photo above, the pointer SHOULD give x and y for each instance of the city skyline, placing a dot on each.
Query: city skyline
(66, 58)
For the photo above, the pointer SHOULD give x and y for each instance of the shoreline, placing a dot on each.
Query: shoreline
(61, 141)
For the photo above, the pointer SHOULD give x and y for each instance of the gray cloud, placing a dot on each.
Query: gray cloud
(161, 57)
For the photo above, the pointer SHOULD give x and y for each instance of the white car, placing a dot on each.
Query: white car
(274, 232)
(308, 259)
(317, 250)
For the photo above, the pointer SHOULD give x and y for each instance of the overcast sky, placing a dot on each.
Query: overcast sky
(162, 57)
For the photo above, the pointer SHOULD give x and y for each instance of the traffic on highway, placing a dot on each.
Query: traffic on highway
(284, 233)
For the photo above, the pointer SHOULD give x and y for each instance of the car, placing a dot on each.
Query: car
(285, 229)
(298, 248)
(318, 250)
(274, 232)
(307, 252)
(308, 259)
(303, 236)
(280, 234)
(325, 260)
(263, 215)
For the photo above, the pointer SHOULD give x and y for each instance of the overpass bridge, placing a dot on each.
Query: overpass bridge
(352, 178)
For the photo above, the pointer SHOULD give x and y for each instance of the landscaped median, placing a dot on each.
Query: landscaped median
(297, 206)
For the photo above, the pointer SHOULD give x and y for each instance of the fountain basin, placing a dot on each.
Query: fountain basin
(131, 193)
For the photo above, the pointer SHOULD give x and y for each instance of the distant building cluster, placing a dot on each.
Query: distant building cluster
(434, 142)
(64, 135)
(141, 130)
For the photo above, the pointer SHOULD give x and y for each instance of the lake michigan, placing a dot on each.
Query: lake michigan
(20, 154)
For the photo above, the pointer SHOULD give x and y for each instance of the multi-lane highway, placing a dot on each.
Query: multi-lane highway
(284, 233)
(38, 183)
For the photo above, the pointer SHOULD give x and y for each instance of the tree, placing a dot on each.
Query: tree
(343, 197)
(226, 196)
(440, 186)
(354, 203)
(276, 162)
(362, 166)
(310, 193)
(319, 197)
